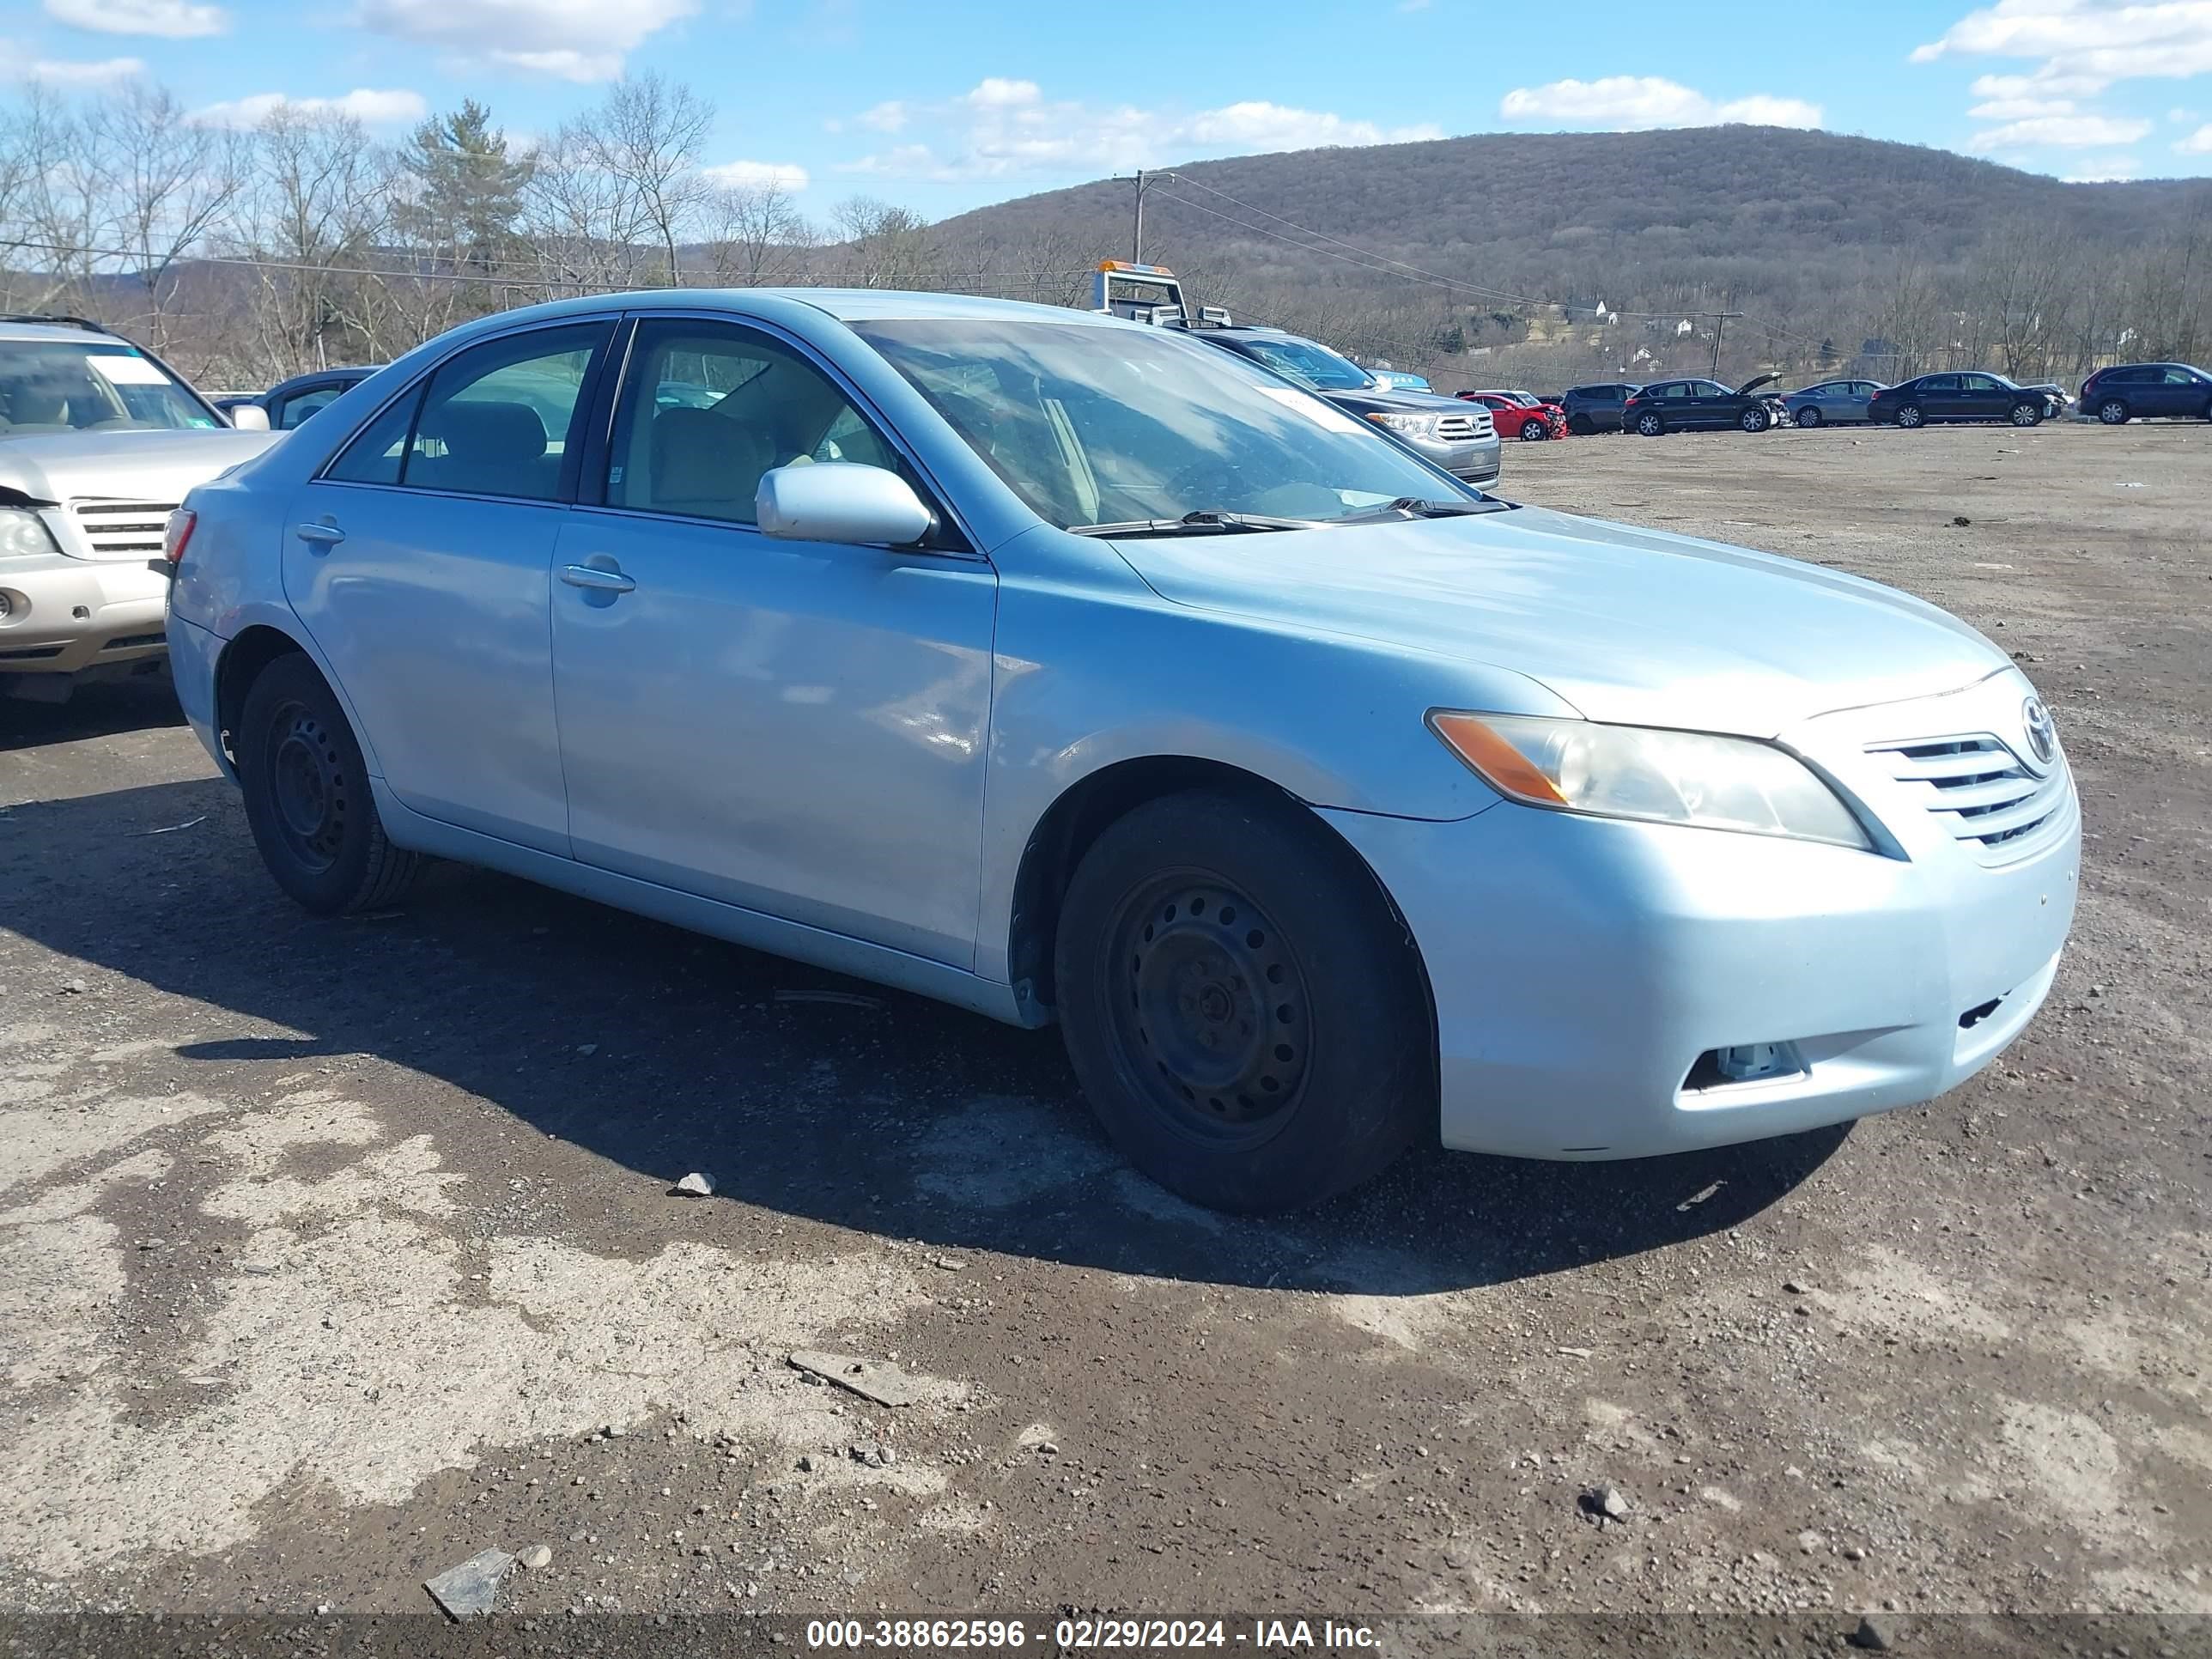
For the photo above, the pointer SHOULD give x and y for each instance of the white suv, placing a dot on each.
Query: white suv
(99, 440)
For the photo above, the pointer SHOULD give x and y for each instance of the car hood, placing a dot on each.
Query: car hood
(1375, 400)
(1755, 385)
(1628, 625)
(147, 466)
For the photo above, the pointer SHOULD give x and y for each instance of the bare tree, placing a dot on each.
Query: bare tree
(884, 245)
(644, 140)
(755, 234)
(164, 184)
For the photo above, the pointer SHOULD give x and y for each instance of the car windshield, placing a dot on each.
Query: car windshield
(97, 385)
(1094, 425)
(1526, 399)
(1315, 365)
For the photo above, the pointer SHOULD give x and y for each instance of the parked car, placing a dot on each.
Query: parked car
(1315, 840)
(1832, 403)
(1463, 440)
(1596, 408)
(1702, 406)
(1974, 395)
(1518, 415)
(2129, 391)
(99, 440)
(1397, 379)
(290, 402)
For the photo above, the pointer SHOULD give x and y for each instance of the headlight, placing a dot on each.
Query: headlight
(1420, 427)
(1641, 772)
(24, 535)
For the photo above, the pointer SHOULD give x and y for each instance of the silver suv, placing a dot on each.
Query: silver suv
(99, 440)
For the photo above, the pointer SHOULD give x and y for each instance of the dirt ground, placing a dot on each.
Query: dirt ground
(334, 1252)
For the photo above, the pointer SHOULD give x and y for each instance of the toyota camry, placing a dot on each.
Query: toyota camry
(1071, 672)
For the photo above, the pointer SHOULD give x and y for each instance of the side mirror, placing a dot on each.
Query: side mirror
(840, 501)
(249, 417)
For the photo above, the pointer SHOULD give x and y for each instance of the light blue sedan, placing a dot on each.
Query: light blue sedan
(1070, 671)
(1832, 403)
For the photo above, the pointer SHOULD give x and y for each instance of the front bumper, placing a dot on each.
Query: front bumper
(1476, 462)
(1582, 966)
(67, 615)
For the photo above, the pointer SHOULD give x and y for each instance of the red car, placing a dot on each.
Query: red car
(1521, 414)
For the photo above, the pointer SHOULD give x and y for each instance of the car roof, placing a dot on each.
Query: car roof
(61, 333)
(846, 304)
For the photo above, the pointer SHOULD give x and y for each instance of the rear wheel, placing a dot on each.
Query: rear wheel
(1755, 419)
(307, 798)
(1809, 416)
(1649, 425)
(2112, 412)
(1245, 1016)
(1909, 415)
(1580, 426)
(2026, 413)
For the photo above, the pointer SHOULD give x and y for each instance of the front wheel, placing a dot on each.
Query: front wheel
(1241, 1009)
(1807, 417)
(1910, 416)
(1533, 432)
(2113, 412)
(1649, 425)
(1755, 420)
(307, 800)
(2026, 414)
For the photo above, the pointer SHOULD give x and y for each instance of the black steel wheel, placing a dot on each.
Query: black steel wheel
(1244, 1013)
(1217, 1009)
(1581, 426)
(307, 797)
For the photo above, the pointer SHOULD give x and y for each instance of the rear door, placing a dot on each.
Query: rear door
(1940, 398)
(419, 561)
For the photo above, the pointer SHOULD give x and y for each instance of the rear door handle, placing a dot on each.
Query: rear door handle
(323, 535)
(598, 580)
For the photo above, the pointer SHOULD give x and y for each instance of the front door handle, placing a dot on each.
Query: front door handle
(323, 535)
(598, 580)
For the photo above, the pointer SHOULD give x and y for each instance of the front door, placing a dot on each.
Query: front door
(795, 727)
(418, 560)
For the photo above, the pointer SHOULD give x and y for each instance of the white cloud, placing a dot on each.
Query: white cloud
(1005, 127)
(2061, 132)
(759, 175)
(175, 20)
(1628, 103)
(366, 104)
(993, 92)
(567, 40)
(2104, 169)
(2199, 143)
(2087, 42)
(2020, 109)
(103, 73)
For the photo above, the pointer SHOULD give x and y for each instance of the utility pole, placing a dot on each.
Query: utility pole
(1720, 321)
(1136, 237)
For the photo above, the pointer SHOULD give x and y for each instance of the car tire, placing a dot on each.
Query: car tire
(1579, 426)
(2026, 413)
(307, 798)
(1910, 416)
(1807, 417)
(1244, 1011)
(1755, 420)
(1533, 432)
(2112, 412)
(1649, 424)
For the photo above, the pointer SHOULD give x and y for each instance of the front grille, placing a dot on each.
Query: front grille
(1458, 428)
(122, 530)
(1980, 790)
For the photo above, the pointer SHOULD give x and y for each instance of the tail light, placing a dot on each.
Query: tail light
(177, 534)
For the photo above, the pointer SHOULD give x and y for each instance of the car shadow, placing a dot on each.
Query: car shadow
(667, 1053)
(145, 702)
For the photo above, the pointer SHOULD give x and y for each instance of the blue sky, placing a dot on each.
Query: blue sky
(946, 105)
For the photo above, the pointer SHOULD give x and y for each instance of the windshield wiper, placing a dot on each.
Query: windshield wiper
(1413, 507)
(1205, 522)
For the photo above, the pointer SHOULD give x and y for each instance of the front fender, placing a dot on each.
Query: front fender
(1084, 681)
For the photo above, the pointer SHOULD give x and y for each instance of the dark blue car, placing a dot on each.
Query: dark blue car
(2130, 392)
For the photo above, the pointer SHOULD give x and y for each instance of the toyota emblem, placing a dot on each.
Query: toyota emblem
(2042, 735)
